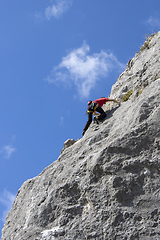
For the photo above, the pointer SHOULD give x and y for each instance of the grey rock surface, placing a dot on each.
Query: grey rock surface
(105, 186)
(67, 143)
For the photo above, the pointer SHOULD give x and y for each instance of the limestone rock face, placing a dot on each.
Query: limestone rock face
(105, 186)
(68, 143)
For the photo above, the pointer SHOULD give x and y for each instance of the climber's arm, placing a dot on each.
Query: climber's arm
(113, 100)
(95, 113)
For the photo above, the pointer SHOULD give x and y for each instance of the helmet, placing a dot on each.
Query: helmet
(89, 102)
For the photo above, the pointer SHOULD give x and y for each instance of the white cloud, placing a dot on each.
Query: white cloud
(82, 70)
(6, 199)
(61, 120)
(153, 21)
(7, 151)
(39, 17)
(58, 9)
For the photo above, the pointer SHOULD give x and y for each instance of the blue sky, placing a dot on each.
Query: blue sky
(54, 57)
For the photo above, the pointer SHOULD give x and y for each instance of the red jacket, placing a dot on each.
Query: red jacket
(101, 101)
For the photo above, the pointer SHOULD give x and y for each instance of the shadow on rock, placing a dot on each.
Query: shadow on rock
(109, 113)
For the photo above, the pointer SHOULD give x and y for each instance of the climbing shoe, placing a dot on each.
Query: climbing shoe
(95, 120)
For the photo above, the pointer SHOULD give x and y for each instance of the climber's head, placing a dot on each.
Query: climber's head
(89, 102)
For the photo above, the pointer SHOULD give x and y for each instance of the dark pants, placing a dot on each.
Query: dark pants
(100, 117)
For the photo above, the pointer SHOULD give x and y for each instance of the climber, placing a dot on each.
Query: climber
(96, 106)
